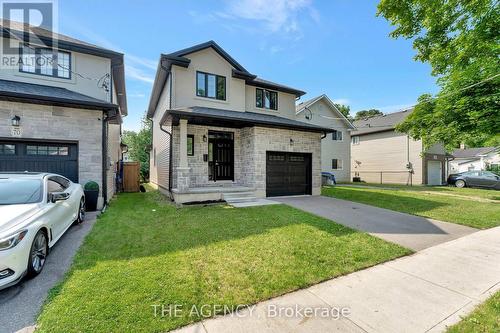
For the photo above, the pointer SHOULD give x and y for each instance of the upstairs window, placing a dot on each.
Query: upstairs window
(210, 86)
(355, 140)
(266, 99)
(43, 61)
(337, 135)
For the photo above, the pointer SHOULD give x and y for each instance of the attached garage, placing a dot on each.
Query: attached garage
(288, 173)
(40, 156)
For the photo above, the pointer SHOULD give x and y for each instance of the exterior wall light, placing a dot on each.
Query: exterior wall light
(204, 138)
(291, 142)
(16, 121)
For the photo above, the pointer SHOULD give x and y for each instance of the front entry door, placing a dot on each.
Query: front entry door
(221, 155)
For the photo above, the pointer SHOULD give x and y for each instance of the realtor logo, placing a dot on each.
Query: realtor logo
(28, 22)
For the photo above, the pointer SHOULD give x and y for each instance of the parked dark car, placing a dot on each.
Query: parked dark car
(485, 179)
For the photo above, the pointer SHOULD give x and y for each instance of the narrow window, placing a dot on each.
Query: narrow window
(337, 136)
(266, 99)
(210, 86)
(355, 140)
(190, 145)
(336, 164)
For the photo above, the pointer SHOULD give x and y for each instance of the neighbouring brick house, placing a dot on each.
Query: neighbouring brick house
(63, 115)
(219, 130)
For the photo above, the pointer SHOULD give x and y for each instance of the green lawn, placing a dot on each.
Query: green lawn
(484, 319)
(467, 191)
(144, 251)
(472, 213)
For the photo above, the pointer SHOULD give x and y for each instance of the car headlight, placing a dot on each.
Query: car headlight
(11, 241)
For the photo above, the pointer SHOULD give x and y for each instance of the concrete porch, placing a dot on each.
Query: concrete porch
(215, 192)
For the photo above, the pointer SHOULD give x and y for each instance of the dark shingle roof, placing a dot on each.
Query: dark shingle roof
(242, 119)
(472, 152)
(380, 123)
(37, 93)
(13, 29)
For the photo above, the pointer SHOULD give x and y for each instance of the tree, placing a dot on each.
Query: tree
(367, 114)
(345, 110)
(459, 39)
(139, 144)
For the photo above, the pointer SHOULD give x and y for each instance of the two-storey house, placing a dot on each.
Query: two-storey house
(218, 129)
(61, 106)
(380, 154)
(335, 147)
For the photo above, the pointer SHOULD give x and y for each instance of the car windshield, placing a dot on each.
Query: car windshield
(20, 191)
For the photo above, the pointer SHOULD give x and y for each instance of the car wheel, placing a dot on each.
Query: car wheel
(460, 183)
(38, 254)
(81, 212)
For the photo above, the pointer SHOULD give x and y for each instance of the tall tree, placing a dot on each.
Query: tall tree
(367, 113)
(138, 145)
(459, 39)
(345, 110)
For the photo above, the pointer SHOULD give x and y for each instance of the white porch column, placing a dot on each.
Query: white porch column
(183, 169)
(183, 162)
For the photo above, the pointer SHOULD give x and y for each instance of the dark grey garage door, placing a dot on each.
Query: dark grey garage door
(61, 158)
(288, 173)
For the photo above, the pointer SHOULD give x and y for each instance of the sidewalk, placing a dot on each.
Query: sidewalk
(424, 292)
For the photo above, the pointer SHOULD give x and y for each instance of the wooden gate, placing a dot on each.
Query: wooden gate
(131, 176)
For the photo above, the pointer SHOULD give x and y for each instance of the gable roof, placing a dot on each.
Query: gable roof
(13, 29)
(178, 58)
(306, 104)
(386, 122)
(471, 153)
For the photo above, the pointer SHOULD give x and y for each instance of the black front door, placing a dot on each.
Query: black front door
(220, 155)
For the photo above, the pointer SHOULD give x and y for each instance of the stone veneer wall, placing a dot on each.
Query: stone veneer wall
(271, 139)
(250, 147)
(199, 168)
(60, 123)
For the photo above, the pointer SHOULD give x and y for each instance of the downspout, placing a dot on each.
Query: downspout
(104, 160)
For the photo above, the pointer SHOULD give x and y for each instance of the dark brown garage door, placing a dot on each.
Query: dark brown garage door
(288, 173)
(60, 158)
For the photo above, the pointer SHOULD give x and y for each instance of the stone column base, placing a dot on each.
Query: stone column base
(183, 179)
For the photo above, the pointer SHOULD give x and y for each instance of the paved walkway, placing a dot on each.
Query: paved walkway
(424, 292)
(410, 231)
(20, 304)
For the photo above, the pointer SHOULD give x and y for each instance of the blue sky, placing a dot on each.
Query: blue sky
(337, 47)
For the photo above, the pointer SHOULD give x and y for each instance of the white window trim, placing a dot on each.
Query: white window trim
(337, 140)
(353, 141)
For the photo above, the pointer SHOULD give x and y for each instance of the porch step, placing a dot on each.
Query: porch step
(237, 197)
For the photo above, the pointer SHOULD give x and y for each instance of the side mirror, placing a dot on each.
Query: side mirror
(58, 196)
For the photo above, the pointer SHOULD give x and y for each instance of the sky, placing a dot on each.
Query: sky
(334, 47)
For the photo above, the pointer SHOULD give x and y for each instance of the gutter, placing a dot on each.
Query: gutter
(169, 152)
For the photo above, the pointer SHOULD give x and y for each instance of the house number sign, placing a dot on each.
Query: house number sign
(16, 131)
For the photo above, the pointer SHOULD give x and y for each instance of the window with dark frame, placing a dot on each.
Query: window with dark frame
(336, 164)
(44, 61)
(7, 149)
(337, 135)
(47, 150)
(266, 99)
(190, 145)
(210, 86)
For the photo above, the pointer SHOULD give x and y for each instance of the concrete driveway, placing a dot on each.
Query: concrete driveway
(410, 231)
(20, 304)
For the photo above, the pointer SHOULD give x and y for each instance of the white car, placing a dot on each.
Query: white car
(35, 211)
